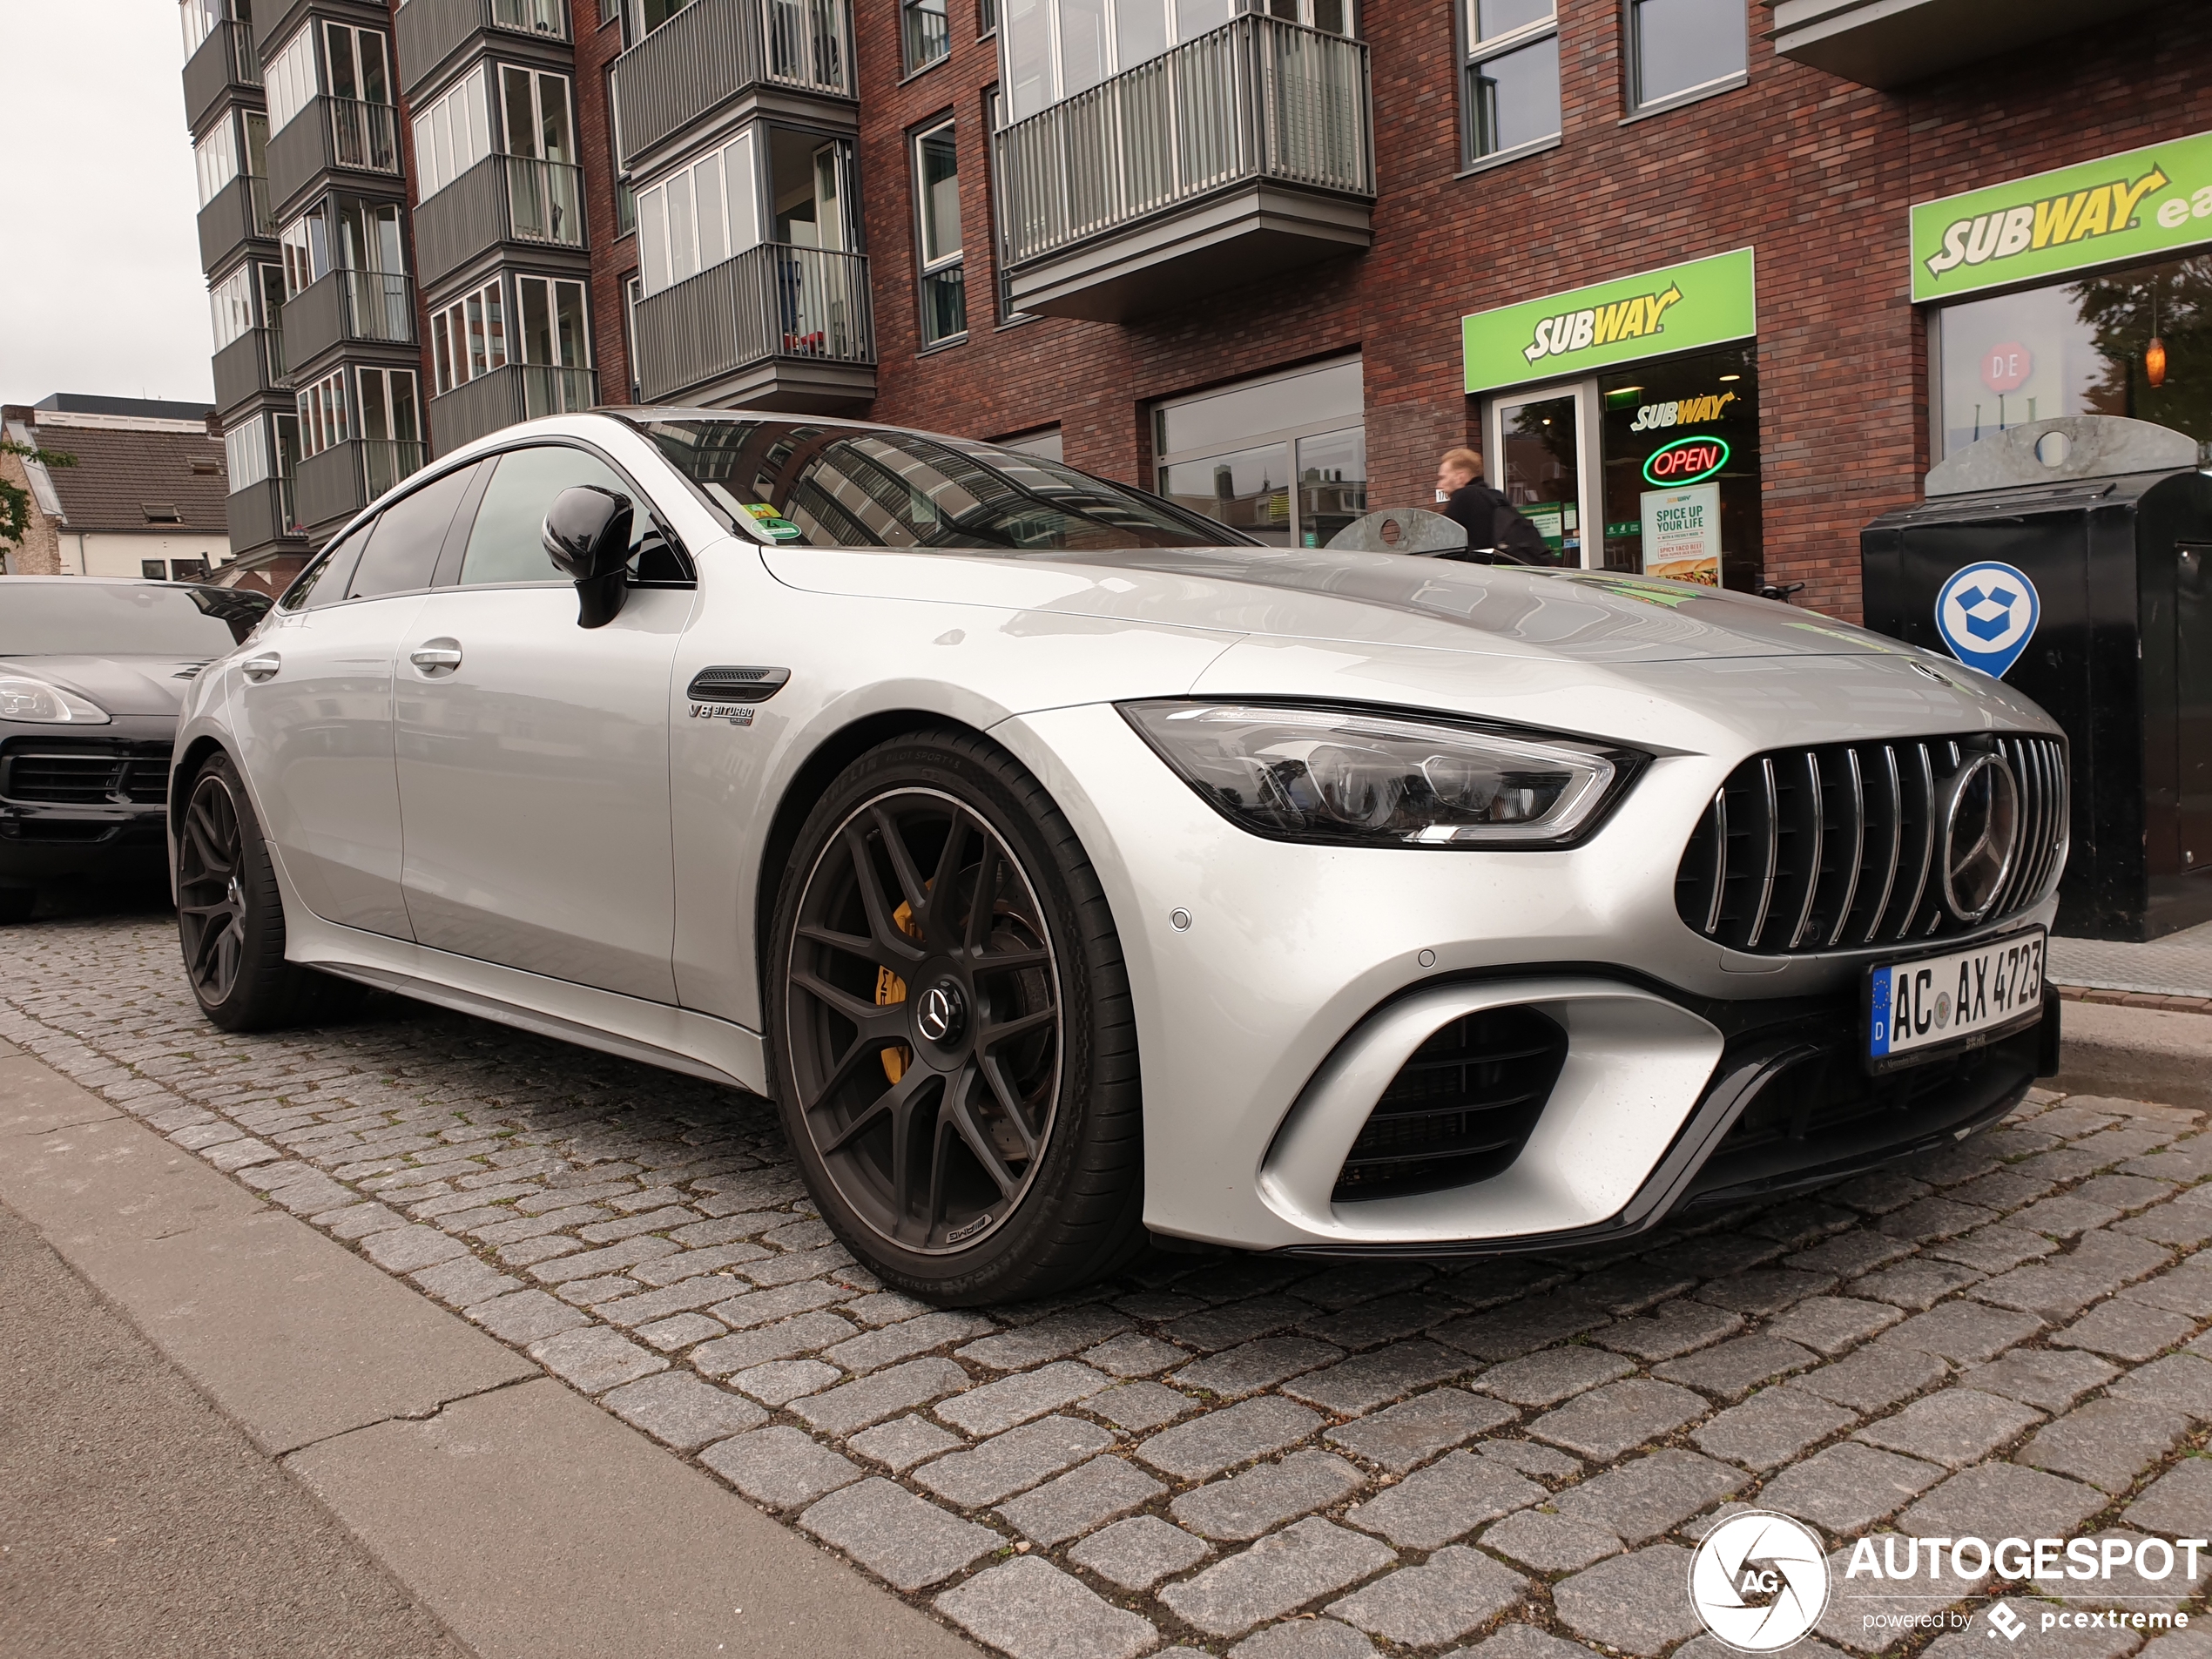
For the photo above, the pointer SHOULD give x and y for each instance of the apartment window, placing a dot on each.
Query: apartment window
(215, 158)
(699, 216)
(633, 290)
(305, 244)
(245, 454)
(326, 418)
(927, 29)
(468, 338)
(625, 197)
(452, 135)
(987, 17)
(1054, 49)
(944, 288)
(554, 330)
(1284, 458)
(1680, 48)
(288, 77)
(537, 103)
(231, 302)
(199, 18)
(609, 10)
(1512, 100)
(388, 406)
(358, 65)
(641, 17)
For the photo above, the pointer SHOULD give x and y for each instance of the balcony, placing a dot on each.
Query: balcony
(518, 392)
(333, 134)
(718, 56)
(250, 365)
(430, 31)
(261, 514)
(777, 328)
(226, 63)
(349, 308)
(335, 485)
(502, 199)
(238, 213)
(1232, 158)
(1888, 43)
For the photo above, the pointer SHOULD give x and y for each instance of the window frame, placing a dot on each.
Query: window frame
(656, 229)
(467, 99)
(1632, 69)
(1288, 436)
(449, 342)
(908, 66)
(925, 268)
(1474, 54)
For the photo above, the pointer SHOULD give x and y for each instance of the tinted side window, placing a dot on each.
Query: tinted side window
(403, 548)
(507, 544)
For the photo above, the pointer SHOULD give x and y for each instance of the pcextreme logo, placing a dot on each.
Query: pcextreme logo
(1601, 324)
(2048, 221)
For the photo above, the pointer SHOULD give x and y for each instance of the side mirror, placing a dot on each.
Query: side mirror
(586, 536)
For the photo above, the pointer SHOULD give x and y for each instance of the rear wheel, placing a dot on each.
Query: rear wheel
(951, 1033)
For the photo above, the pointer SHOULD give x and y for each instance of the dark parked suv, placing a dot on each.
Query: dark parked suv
(91, 674)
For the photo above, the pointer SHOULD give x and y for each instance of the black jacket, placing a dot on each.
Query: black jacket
(1495, 526)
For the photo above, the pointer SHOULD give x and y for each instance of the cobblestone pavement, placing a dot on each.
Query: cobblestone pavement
(1277, 1458)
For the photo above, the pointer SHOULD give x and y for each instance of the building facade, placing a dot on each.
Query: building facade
(143, 493)
(1709, 284)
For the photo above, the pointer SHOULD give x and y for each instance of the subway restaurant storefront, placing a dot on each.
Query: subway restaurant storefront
(1623, 419)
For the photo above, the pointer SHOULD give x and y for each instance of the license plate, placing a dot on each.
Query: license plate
(1915, 1009)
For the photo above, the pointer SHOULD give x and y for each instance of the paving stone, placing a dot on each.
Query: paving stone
(1353, 1282)
(1926, 1219)
(1415, 1430)
(1647, 1496)
(1772, 1428)
(902, 1539)
(758, 1308)
(1054, 1336)
(698, 1266)
(872, 1350)
(464, 1281)
(781, 1381)
(1134, 1355)
(592, 1292)
(1765, 1291)
(2126, 1331)
(2186, 1290)
(1718, 1255)
(1920, 1282)
(1224, 1439)
(1522, 1641)
(1548, 1377)
(1367, 1380)
(1671, 1329)
(1019, 1458)
(1532, 1459)
(678, 1408)
(1139, 1406)
(1138, 1553)
(1965, 1332)
(682, 1298)
(1302, 1563)
(2051, 1292)
(1847, 1488)
(2049, 1378)
(1030, 1609)
(1453, 1592)
(2179, 1382)
(1450, 1498)
(1831, 1325)
(1000, 1406)
(1245, 1506)
(803, 1264)
(779, 1466)
(1087, 1496)
(808, 1334)
(1252, 1366)
(525, 1316)
(1213, 1329)
(870, 1399)
(1629, 1287)
(1634, 1604)
(902, 1442)
(1551, 1542)
(651, 1221)
(402, 1249)
(2181, 1224)
(2178, 1503)
(2002, 1501)
(1384, 1319)
(1952, 1426)
(591, 1263)
(2066, 1215)
(668, 1335)
(1860, 1250)
(2108, 1442)
(1734, 1368)
(595, 1359)
(1306, 1637)
(1521, 1327)
(1875, 1377)
(1609, 1421)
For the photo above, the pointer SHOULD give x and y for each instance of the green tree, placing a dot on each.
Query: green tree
(14, 500)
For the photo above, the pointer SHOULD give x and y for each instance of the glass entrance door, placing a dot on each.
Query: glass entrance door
(1541, 455)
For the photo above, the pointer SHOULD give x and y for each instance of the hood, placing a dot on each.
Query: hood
(120, 685)
(1363, 598)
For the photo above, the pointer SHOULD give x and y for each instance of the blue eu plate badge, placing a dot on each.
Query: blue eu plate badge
(1986, 614)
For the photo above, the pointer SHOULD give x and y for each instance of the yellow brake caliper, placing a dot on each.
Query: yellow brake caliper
(890, 989)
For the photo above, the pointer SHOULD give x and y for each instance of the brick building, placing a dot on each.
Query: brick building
(1656, 259)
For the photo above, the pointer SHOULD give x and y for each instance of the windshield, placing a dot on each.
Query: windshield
(824, 485)
(124, 619)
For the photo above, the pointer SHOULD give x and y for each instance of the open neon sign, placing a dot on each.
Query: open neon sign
(1686, 460)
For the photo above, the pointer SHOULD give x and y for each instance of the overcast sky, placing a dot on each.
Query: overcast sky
(100, 284)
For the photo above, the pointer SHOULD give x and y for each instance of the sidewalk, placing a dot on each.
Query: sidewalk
(2179, 965)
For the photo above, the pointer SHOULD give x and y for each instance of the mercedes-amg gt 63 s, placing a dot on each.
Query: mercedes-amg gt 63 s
(1069, 868)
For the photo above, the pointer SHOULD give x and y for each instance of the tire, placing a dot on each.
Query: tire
(17, 904)
(997, 1046)
(229, 914)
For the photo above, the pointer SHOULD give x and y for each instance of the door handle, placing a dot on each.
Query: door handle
(437, 655)
(261, 668)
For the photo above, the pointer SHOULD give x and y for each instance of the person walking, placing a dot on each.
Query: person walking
(1498, 532)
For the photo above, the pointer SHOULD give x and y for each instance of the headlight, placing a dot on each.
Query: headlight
(1379, 779)
(37, 702)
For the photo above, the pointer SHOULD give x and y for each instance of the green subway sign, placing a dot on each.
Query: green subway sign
(2137, 205)
(1680, 307)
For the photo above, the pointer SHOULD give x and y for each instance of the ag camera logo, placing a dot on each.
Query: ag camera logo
(1759, 1581)
(1986, 614)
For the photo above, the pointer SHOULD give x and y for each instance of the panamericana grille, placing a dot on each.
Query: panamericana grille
(1834, 848)
(82, 773)
(1461, 1109)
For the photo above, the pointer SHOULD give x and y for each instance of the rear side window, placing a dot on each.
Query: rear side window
(403, 546)
(323, 582)
(508, 542)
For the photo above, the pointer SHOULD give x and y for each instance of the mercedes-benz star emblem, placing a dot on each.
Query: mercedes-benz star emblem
(939, 1015)
(1759, 1580)
(1982, 816)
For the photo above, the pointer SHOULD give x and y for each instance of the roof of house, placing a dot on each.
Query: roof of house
(169, 480)
(155, 408)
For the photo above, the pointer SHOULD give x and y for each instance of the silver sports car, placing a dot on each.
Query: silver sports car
(1072, 873)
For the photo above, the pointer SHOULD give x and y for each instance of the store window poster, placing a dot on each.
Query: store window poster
(1682, 534)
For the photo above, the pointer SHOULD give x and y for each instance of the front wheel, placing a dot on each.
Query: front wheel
(951, 1035)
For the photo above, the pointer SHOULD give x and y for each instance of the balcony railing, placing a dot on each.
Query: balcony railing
(331, 133)
(250, 364)
(349, 306)
(429, 31)
(225, 61)
(502, 199)
(1257, 99)
(713, 51)
(238, 214)
(771, 301)
(364, 137)
(518, 392)
(346, 477)
(260, 514)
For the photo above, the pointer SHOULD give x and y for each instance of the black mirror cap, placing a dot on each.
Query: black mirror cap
(587, 533)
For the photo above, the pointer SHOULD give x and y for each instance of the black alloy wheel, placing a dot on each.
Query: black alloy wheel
(211, 902)
(954, 1052)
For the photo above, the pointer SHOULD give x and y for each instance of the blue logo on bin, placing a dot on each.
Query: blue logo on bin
(1986, 614)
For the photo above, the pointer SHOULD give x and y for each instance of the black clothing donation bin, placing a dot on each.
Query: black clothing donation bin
(2073, 558)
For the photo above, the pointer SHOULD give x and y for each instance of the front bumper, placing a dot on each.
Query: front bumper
(84, 802)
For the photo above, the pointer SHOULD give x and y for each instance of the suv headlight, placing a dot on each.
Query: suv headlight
(1370, 778)
(36, 702)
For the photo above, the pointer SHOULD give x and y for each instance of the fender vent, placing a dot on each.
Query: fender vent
(738, 684)
(1460, 1109)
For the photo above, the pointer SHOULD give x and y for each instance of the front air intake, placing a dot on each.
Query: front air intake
(1837, 847)
(1460, 1109)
